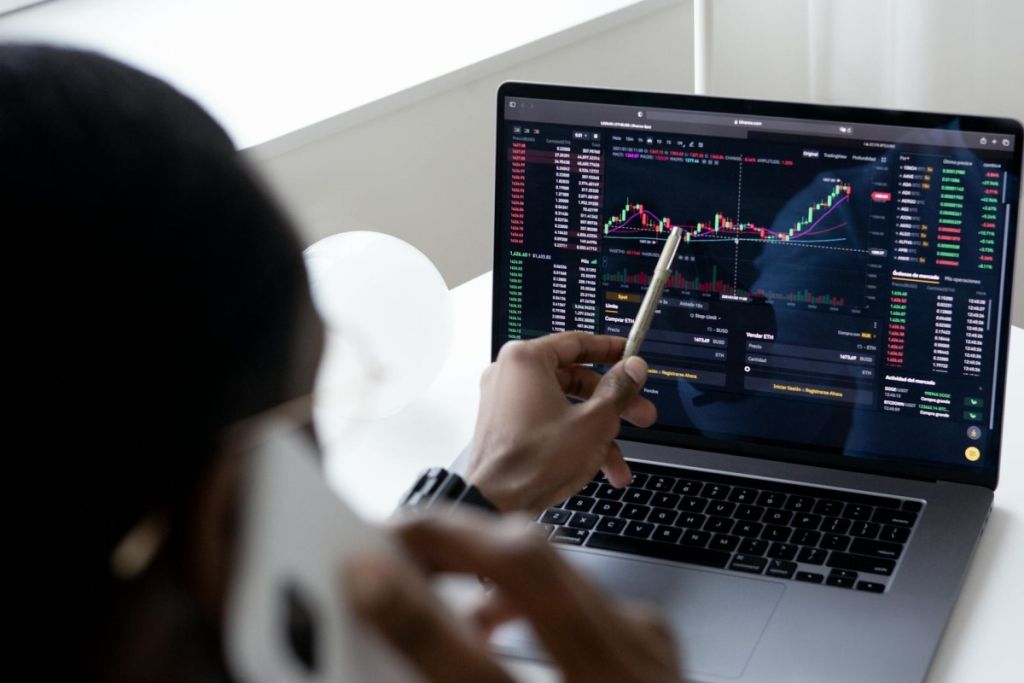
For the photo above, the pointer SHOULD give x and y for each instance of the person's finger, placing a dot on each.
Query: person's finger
(616, 468)
(401, 606)
(493, 611)
(613, 394)
(580, 382)
(572, 348)
(567, 612)
(640, 412)
(577, 381)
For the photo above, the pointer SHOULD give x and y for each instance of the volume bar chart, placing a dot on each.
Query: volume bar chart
(715, 285)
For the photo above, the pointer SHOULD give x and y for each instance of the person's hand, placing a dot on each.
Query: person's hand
(531, 446)
(590, 636)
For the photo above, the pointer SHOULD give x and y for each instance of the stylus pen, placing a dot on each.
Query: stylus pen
(653, 295)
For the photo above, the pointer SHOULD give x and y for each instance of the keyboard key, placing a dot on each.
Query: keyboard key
(894, 534)
(721, 525)
(806, 521)
(829, 508)
(777, 517)
(771, 499)
(639, 479)
(635, 512)
(663, 484)
(580, 504)
(691, 504)
(636, 496)
(691, 520)
(871, 587)
(721, 508)
(609, 492)
(810, 577)
(861, 563)
(913, 505)
(583, 520)
(666, 534)
(664, 551)
(638, 529)
(805, 537)
(748, 563)
(687, 487)
(858, 512)
(841, 581)
(782, 551)
(800, 503)
(773, 532)
(715, 491)
(835, 542)
(724, 542)
(743, 495)
(812, 556)
(662, 516)
(753, 546)
(780, 569)
(611, 525)
(865, 530)
(589, 490)
(697, 539)
(545, 529)
(748, 529)
(555, 516)
(835, 525)
(665, 500)
(890, 551)
(750, 513)
(894, 517)
(569, 536)
(607, 507)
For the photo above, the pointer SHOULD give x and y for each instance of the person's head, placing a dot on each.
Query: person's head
(157, 294)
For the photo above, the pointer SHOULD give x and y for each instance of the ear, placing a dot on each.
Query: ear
(213, 531)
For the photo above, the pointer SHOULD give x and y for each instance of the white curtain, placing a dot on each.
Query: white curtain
(964, 56)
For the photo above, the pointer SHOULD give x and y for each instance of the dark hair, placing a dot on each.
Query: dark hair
(154, 288)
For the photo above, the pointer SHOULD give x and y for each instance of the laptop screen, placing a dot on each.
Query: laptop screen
(841, 290)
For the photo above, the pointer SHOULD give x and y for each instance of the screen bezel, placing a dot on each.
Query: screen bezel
(798, 453)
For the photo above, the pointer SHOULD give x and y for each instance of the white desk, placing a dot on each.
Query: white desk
(372, 463)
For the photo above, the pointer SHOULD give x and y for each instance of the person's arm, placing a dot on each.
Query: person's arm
(531, 446)
(589, 635)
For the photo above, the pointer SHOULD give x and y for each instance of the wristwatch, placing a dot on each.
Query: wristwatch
(439, 488)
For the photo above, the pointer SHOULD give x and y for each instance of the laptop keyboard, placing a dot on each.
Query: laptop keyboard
(752, 526)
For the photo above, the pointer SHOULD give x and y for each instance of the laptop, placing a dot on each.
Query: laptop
(828, 360)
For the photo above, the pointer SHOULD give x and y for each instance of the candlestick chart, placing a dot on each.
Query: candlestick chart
(801, 253)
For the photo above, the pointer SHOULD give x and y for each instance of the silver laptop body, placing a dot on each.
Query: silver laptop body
(837, 319)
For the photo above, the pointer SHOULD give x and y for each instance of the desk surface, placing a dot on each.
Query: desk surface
(373, 462)
(266, 68)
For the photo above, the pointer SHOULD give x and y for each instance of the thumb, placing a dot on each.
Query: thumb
(618, 386)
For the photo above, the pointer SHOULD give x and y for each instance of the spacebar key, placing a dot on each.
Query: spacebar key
(663, 551)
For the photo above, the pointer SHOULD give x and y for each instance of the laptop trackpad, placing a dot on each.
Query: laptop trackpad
(718, 618)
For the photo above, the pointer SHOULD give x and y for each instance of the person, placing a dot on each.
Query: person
(158, 296)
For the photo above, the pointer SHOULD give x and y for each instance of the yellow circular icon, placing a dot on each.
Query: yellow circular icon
(972, 453)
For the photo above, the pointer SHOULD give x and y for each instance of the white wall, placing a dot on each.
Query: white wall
(946, 55)
(425, 172)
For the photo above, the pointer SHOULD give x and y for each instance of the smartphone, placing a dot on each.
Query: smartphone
(288, 618)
